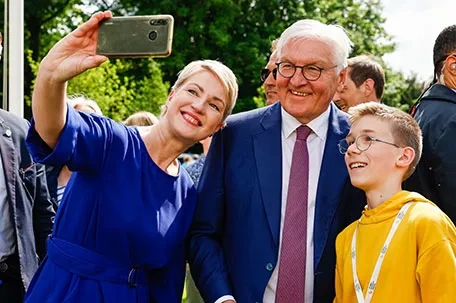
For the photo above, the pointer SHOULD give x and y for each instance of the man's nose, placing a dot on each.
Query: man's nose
(298, 77)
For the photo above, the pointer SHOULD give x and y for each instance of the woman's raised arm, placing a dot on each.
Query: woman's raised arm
(69, 57)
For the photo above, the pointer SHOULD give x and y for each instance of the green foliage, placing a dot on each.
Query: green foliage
(401, 92)
(121, 87)
(236, 32)
(120, 91)
(239, 32)
(260, 99)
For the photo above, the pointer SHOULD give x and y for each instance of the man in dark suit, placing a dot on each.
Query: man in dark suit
(275, 191)
(435, 112)
(26, 213)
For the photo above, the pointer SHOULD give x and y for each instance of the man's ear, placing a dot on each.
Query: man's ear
(369, 88)
(451, 65)
(342, 79)
(406, 158)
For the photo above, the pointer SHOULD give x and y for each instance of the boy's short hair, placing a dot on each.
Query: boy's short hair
(404, 128)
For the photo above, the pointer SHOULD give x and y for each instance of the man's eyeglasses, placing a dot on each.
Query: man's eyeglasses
(264, 73)
(310, 72)
(363, 142)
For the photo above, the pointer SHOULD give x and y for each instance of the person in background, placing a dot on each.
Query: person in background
(435, 112)
(187, 160)
(58, 176)
(85, 105)
(275, 192)
(267, 76)
(403, 248)
(195, 169)
(141, 118)
(365, 82)
(119, 235)
(26, 213)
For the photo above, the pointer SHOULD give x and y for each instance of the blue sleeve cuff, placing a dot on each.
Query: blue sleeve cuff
(64, 149)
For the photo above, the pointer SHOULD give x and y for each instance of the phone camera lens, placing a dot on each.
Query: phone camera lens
(153, 35)
(153, 22)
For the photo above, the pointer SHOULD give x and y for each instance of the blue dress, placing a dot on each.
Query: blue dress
(120, 230)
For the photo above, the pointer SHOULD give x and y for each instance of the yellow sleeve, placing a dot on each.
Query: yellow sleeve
(436, 273)
(340, 241)
(338, 283)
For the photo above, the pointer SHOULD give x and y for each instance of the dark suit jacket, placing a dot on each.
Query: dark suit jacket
(435, 175)
(234, 240)
(27, 192)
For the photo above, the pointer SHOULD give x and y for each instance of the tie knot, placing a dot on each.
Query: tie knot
(302, 132)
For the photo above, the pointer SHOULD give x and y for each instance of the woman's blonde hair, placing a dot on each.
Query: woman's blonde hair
(223, 73)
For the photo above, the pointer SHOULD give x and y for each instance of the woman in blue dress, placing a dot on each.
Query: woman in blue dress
(120, 230)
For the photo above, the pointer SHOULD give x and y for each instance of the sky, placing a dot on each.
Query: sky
(415, 24)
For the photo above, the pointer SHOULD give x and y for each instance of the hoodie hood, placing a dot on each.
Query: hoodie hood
(391, 207)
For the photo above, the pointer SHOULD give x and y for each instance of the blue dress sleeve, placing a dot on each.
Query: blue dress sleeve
(83, 144)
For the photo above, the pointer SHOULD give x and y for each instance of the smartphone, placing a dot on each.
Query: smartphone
(136, 36)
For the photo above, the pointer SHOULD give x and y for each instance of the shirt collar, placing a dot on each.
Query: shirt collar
(318, 125)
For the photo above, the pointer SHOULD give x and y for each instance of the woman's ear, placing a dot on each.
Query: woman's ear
(407, 157)
(170, 96)
(222, 125)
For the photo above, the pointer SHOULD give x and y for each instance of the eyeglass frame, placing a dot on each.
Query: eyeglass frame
(268, 71)
(371, 139)
(302, 67)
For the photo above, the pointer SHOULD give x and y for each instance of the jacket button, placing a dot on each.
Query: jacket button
(269, 267)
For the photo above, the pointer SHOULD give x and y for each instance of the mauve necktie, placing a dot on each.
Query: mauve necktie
(292, 267)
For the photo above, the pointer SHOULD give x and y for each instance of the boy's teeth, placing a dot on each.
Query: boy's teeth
(357, 164)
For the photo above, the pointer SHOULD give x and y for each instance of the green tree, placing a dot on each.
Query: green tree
(238, 32)
(121, 86)
(401, 92)
(118, 91)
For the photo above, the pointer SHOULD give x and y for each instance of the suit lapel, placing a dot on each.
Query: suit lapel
(268, 158)
(333, 177)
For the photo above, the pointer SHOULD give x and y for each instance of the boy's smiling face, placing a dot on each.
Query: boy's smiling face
(375, 167)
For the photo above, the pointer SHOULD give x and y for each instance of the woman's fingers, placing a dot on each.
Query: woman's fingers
(88, 27)
(93, 61)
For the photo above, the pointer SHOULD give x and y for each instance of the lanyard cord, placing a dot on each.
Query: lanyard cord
(381, 257)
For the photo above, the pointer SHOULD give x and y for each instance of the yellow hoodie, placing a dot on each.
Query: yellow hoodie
(420, 264)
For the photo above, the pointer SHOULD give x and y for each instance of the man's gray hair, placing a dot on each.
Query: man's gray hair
(335, 35)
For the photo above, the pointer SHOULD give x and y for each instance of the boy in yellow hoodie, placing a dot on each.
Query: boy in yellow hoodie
(403, 248)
